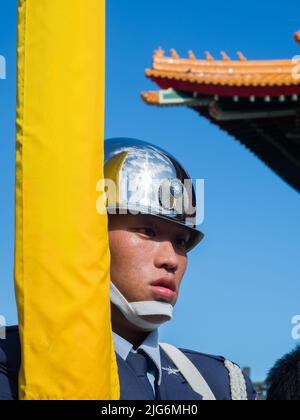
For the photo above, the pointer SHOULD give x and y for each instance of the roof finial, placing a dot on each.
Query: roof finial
(241, 56)
(208, 56)
(159, 53)
(225, 56)
(192, 55)
(174, 54)
(297, 37)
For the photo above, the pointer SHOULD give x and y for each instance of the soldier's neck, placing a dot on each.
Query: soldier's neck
(136, 338)
(124, 329)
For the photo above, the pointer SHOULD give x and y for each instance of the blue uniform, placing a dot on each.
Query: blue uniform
(172, 385)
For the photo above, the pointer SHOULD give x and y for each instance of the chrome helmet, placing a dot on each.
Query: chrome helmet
(141, 178)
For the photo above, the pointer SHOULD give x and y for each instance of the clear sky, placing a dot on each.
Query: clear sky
(242, 286)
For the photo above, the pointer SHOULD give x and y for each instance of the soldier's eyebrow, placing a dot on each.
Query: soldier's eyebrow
(179, 233)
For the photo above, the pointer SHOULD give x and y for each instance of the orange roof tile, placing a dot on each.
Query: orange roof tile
(151, 97)
(231, 77)
(225, 72)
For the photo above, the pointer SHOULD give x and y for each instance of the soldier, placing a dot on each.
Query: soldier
(151, 205)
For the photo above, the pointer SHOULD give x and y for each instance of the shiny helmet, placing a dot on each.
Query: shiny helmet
(142, 178)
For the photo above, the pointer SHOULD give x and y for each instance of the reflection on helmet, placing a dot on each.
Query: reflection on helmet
(144, 179)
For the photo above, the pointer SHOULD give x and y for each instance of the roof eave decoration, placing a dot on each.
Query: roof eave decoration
(245, 77)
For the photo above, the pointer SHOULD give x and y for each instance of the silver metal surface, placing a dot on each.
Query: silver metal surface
(148, 180)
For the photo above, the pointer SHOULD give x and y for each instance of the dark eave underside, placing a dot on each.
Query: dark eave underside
(276, 141)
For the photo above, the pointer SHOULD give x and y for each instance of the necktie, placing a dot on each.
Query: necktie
(139, 363)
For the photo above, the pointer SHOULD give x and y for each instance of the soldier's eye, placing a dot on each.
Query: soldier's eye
(182, 243)
(146, 231)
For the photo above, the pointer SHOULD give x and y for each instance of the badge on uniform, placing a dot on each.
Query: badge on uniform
(171, 371)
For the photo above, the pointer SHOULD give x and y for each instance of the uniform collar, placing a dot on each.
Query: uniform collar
(150, 346)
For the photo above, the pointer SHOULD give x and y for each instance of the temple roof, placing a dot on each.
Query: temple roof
(226, 72)
(256, 101)
(277, 77)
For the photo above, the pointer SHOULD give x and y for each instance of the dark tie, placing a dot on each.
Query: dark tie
(139, 363)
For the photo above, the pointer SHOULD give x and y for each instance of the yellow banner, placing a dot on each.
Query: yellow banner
(62, 256)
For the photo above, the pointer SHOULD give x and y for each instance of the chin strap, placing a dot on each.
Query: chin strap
(135, 310)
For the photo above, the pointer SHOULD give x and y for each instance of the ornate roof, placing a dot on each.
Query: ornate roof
(173, 71)
(257, 102)
(226, 72)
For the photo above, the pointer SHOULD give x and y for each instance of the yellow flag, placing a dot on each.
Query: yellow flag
(62, 256)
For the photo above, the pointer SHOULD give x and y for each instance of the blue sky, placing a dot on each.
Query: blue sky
(242, 286)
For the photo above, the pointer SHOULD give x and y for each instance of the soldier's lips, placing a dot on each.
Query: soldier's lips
(164, 289)
(163, 293)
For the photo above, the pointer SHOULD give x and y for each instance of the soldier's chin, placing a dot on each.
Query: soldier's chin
(156, 319)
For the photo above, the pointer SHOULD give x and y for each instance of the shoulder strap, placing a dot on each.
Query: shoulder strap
(237, 382)
(189, 371)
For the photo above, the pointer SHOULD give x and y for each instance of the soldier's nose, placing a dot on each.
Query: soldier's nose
(166, 257)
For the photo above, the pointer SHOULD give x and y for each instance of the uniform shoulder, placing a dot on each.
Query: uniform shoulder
(10, 356)
(216, 372)
(10, 349)
(12, 330)
(199, 355)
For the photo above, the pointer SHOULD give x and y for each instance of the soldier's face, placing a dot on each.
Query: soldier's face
(148, 258)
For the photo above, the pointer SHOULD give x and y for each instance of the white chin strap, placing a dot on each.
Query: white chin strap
(135, 310)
